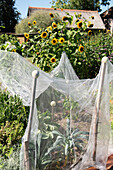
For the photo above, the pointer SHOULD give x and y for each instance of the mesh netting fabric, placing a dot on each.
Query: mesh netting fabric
(63, 125)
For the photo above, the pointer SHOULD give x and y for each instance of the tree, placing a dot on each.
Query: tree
(9, 15)
(80, 4)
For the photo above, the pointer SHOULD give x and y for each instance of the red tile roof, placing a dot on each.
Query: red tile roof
(63, 9)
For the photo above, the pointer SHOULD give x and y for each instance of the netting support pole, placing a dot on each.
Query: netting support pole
(35, 75)
(96, 117)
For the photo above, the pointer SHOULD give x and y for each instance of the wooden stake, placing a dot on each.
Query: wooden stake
(35, 75)
(96, 118)
(26, 156)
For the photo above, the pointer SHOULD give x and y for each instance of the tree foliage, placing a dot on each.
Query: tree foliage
(79, 4)
(9, 15)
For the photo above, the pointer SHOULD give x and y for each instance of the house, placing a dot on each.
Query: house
(96, 20)
(107, 17)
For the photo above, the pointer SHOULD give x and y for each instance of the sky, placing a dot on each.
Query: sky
(22, 5)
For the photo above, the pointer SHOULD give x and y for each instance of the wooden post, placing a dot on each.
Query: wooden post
(26, 156)
(96, 118)
(35, 75)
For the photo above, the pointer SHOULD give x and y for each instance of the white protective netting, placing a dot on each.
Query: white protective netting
(63, 124)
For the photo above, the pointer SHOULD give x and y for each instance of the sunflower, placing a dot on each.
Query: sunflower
(13, 50)
(61, 9)
(90, 25)
(53, 60)
(51, 15)
(89, 22)
(79, 24)
(92, 17)
(79, 15)
(26, 35)
(81, 48)
(49, 28)
(54, 41)
(77, 20)
(44, 35)
(54, 25)
(34, 22)
(29, 23)
(64, 18)
(61, 40)
(89, 32)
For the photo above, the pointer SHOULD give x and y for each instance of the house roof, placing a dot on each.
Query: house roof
(97, 21)
(108, 13)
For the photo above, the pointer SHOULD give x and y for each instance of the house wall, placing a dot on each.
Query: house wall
(111, 25)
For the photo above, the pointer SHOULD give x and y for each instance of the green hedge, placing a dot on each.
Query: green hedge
(42, 19)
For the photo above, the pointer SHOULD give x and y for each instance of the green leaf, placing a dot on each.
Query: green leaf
(39, 143)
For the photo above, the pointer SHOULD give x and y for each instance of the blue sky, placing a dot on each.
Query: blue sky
(22, 5)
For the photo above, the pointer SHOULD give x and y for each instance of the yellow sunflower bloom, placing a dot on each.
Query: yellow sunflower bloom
(49, 28)
(90, 24)
(29, 23)
(53, 60)
(61, 9)
(54, 25)
(64, 18)
(44, 35)
(61, 40)
(34, 22)
(77, 20)
(89, 32)
(79, 24)
(13, 50)
(51, 15)
(92, 17)
(54, 41)
(26, 35)
(81, 48)
(79, 15)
